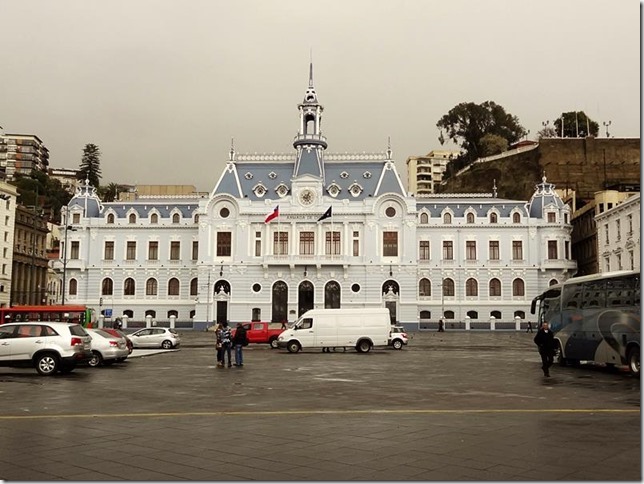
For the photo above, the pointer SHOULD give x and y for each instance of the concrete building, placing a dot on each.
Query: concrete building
(21, 153)
(8, 196)
(618, 235)
(283, 233)
(425, 172)
(67, 177)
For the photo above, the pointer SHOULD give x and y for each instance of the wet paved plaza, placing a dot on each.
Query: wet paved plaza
(450, 406)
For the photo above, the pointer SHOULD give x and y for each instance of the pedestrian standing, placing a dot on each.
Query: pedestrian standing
(219, 331)
(545, 340)
(226, 344)
(529, 330)
(239, 341)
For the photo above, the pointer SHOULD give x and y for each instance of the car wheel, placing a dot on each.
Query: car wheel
(47, 364)
(293, 347)
(96, 359)
(166, 345)
(633, 360)
(397, 344)
(560, 358)
(273, 343)
(363, 346)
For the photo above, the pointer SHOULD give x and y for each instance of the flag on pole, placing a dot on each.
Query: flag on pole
(274, 214)
(326, 214)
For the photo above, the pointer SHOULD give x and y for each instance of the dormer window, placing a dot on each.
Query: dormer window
(259, 190)
(281, 190)
(494, 218)
(516, 218)
(110, 218)
(367, 174)
(154, 218)
(131, 218)
(272, 175)
(175, 218)
(344, 174)
(355, 189)
(470, 218)
(248, 175)
(333, 189)
(447, 218)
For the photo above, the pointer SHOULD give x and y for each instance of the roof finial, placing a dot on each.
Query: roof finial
(311, 71)
(231, 153)
(494, 188)
(389, 152)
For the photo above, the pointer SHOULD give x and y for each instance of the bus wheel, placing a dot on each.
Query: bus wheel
(633, 359)
(560, 358)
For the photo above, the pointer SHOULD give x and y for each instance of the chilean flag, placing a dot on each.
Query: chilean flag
(274, 214)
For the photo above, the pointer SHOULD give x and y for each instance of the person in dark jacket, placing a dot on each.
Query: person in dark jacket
(240, 339)
(545, 340)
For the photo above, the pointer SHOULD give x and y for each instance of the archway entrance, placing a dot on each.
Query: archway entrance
(390, 294)
(305, 297)
(279, 312)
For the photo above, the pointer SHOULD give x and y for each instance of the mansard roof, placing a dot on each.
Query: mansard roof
(461, 203)
(144, 207)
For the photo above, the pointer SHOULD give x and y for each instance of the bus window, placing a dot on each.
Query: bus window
(571, 296)
(594, 295)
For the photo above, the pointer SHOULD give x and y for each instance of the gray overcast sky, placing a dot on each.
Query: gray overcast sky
(162, 86)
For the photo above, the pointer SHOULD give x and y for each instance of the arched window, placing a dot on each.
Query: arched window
(256, 314)
(175, 218)
(447, 218)
(193, 287)
(471, 287)
(424, 218)
(449, 315)
(280, 302)
(493, 218)
(448, 287)
(129, 313)
(154, 218)
(110, 218)
(496, 314)
(425, 315)
(196, 218)
(107, 287)
(473, 314)
(173, 287)
(424, 288)
(518, 287)
(129, 287)
(73, 287)
(332, 295)
(151, 312)
(521, 314)
(516, 218)
(470, 218)
(553, 282)
(495, 288)
(192, 314)
(151, 287)
(132, 218)
(173, 312)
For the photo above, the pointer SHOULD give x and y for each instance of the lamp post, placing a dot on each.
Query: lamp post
(606, 125)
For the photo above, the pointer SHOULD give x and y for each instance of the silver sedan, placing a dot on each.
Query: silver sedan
(166, 338)
(106, 348)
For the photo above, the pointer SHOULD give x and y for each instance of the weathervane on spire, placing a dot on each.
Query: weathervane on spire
(389, 152)
(231, 153)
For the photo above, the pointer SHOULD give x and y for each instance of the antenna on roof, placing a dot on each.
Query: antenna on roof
(311, 68)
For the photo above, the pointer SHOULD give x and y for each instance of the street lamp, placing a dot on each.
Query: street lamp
(607, 125)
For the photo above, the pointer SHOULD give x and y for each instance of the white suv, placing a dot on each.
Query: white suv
(398, 337)
(48, 346)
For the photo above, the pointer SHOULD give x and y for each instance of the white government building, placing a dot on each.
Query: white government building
(474, 259)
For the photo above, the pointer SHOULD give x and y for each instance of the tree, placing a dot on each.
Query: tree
(547, 132)
(576, 125)
(467, 123)
(110, 192)
(90, 166)
(493, 144)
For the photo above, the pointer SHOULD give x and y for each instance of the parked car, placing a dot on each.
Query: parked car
(48, 346)
(121, 334)
(398, 337)
(165, 338)
(106, 348)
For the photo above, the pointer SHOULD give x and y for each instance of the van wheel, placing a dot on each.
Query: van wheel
(293, 347)
(273, 343)
(47, 364)
(363, 346)
(633, 360)
(397, 344)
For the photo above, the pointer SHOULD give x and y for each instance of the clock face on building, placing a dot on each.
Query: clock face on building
(307, 197)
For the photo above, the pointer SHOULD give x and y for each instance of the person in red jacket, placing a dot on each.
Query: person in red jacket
(545, 340)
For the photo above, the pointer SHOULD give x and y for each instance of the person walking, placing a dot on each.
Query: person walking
(226, 344)
(239, 341)
(545, 341)
(441, 325)
(219, 330)
(529, 330)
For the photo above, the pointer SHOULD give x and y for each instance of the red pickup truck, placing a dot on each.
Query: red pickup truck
(262, 332)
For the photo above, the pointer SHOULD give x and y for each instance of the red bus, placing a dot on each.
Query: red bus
(73, 313)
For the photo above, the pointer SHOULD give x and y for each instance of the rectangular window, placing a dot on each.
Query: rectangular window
(618, 223)
(307, 243)
(517, 250)
(607, 261)
(448, 250)
(619, 262)
(423, 250)
(567, 249)
(75, 250)
(175, 250)
(470, 250)
(109, 250)
(356, 243)
(130, 251)
(280, 243)
(552, 217)
(390, 244)
(332, 243)
(552, 249)
(195, 249)
(631, 255)
(224, 244)
(494, 250)
(606, 230)
(76, 218)
(258, 244)
(153, 250)
(630, 224)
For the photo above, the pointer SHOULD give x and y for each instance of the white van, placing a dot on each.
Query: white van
(361, 328)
